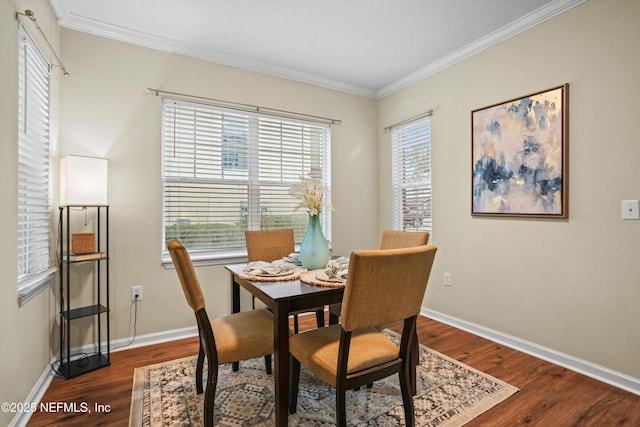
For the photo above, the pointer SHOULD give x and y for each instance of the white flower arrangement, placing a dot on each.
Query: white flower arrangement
(310, 192)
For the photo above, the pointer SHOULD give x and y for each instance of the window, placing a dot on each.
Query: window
(226, 171)
(411, 163)
(34, 271)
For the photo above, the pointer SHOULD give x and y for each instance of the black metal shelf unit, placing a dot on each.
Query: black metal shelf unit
(69, 366)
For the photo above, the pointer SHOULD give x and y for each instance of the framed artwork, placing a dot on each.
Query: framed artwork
(519, 157)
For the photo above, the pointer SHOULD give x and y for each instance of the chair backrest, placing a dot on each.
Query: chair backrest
(371, 297)
(395, 239)
(269, 245)
(186, 274)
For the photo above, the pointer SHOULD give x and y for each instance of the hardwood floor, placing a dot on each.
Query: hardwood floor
(549, 395)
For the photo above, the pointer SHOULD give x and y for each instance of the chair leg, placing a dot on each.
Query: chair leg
(407, 398)
(267, 364)
(210, 396)
(320, 318)
(294, 379)
(295, 324)
(199, 369)
(414, 361)
(341, 407)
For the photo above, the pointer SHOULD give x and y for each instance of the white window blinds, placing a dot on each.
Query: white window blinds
(226, 171)
(411, 163)
(34, 263)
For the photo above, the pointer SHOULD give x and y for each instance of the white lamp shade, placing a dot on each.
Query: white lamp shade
(83, 181)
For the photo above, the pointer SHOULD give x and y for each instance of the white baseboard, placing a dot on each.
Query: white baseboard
(600, 373)
(154, 338)
(22, 418)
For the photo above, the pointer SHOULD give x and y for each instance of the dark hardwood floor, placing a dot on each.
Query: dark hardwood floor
(549, 395)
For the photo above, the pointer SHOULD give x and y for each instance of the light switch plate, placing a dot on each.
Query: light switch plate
(630, 209)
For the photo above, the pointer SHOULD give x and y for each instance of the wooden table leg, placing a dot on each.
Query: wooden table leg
(235, 308)
(281, 353)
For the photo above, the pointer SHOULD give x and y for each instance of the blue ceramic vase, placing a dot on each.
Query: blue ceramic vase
(314, 249)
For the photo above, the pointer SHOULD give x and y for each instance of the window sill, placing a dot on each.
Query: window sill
(28, 289)
(208, 258)
(205, 259)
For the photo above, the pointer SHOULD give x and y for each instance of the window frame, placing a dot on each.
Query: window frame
(244, 168)
(411, 173)
(36, 266)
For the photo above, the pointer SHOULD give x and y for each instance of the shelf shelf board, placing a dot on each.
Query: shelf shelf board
(83, 365)
(90, 310)
(84, 258)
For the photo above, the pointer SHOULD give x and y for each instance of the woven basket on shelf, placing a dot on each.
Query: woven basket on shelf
(83, 243)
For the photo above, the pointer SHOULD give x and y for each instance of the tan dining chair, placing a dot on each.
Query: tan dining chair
(239, 336)
(356, 352)
(391, 239)
(394, 239)
(271, 245)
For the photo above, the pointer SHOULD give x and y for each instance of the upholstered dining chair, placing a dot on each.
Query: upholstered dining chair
(391, 239)
(356, 352)
(271, 245)
(394, 239)
(239, 336)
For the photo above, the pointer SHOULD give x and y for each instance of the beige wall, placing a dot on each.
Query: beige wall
(107, 112)
(25, 331)
(574, 285)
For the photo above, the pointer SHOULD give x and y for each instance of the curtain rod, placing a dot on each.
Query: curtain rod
(248, 107)
(29, 14)
(427, 113)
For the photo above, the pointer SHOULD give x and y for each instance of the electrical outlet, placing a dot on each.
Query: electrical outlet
(136, 293)
(630, 209)
(447, 279)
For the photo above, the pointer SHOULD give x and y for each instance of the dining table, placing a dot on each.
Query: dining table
(282, 296)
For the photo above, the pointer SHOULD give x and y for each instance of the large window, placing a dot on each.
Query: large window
(34, 263)
(226, 171)
(411, 159)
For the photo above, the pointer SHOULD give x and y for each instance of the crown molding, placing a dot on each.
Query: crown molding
(96, 27)
(514, 28)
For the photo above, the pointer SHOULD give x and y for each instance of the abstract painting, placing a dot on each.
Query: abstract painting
(519, 156)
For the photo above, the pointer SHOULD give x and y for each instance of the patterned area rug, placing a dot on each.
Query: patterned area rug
(449, 394)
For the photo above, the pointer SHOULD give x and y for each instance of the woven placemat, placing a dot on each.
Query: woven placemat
(309, 278)
(293, 276)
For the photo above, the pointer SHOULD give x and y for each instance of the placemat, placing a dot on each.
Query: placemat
(309, 278)
(294, 276)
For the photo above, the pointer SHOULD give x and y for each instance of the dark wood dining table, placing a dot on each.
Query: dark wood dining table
(282, 297)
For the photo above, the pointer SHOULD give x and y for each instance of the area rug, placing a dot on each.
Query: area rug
(449, 393)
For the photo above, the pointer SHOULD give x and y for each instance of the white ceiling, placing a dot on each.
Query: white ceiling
(365, 47)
